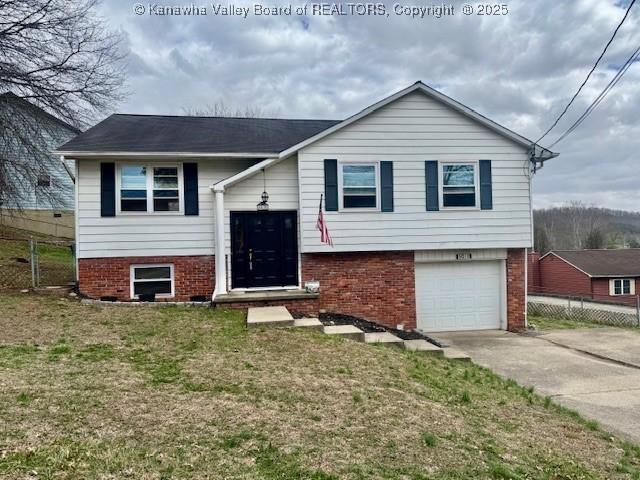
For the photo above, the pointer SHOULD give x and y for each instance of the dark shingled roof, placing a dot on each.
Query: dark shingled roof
(604, 263)
(172, 134)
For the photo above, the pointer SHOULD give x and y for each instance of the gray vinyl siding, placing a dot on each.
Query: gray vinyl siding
(409, 131)
(31, 196)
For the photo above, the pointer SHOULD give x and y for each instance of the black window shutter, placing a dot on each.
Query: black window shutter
(486, 189)
(386, 185)
(108, 189)
(190, 173)
(331, 185)
(431, 184)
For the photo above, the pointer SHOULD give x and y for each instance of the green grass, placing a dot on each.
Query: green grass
(55, 259)
(558, 323)
(107, 392)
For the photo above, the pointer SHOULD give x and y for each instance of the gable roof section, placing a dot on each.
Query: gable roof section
(602, 263)
(35, 108)
(539, 151)
(151, 134)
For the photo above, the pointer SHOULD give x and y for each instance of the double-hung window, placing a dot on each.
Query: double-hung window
(149, 188)
(621, 286)
(359, 185)
(152, 280)
(459, 185)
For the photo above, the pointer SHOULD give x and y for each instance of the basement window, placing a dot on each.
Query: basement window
(621, 286)
(155, 280)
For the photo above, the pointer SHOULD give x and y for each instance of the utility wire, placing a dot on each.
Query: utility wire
(615, 32)
(635, 56)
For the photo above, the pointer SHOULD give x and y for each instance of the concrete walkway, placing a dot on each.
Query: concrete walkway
(599, 389)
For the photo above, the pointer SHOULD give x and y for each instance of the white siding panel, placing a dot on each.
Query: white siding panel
(149, 234)
(409, 131)
(281, 185)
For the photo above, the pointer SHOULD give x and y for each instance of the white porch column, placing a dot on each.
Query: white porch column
(221, 265)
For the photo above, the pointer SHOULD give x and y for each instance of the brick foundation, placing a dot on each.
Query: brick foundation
(516, 295)
(109, 277)
(375, 286)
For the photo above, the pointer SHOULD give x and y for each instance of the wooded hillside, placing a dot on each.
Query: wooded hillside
(576, 226)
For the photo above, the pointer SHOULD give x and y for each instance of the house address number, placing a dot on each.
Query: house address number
(463, 256)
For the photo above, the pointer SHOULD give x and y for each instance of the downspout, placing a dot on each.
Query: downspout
(220, 261)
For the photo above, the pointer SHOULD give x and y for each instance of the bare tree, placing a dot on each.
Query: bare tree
(58, 56)
(595, 239)
(220, 109)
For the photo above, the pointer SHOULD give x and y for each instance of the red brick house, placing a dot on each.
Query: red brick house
(426, 201)
(605, 275)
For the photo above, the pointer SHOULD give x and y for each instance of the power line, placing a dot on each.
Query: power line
(615, 32)
(612, 83)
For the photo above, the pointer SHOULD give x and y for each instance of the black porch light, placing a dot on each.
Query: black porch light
(263, 206)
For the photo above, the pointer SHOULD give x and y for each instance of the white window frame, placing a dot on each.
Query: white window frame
(341, 207)
(149, 185)
(612, 286)
(132, 278)
(476, 181)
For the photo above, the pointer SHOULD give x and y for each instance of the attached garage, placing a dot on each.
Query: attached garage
(460, 295)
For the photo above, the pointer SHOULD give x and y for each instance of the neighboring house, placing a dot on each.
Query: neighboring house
(606, 275)
(45, 200)
(427, 203)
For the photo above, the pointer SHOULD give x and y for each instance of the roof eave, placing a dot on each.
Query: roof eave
(95, 154)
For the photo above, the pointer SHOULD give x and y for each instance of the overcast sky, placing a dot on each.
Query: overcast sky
(519, 69)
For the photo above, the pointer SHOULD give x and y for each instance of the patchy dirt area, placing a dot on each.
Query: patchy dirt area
(148, 393)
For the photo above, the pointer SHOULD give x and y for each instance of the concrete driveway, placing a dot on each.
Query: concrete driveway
(601, 389)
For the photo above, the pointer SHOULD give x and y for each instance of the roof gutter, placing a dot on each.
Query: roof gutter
(77, 154)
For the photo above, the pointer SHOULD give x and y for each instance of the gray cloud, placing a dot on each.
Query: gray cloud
(519, 69)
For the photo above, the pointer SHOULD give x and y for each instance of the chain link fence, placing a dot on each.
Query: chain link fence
(578, 309)
(31, 263)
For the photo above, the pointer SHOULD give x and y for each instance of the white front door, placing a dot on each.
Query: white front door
(458, 296)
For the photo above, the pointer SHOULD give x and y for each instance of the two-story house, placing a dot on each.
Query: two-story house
(426, 201)
(40, 185)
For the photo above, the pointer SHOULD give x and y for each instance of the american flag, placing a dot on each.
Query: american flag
(322, 226)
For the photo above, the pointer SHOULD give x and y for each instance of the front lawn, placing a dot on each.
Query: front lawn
(116, 392)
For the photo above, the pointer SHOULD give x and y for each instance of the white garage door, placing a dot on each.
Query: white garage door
(458, 296)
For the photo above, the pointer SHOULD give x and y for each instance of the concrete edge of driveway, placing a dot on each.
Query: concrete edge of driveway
(590, 353)
(620, 346)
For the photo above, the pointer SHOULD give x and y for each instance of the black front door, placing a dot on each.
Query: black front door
(264, 249)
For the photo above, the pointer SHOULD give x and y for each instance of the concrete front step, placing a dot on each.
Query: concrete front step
(422, 346)
(347, 331)
(455, 354)
(384, 338)
(308, 323)
(269, 317)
